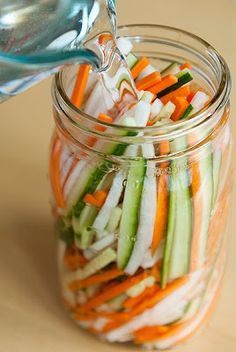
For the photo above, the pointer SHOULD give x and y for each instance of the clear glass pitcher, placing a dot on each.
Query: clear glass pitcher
(37, 37)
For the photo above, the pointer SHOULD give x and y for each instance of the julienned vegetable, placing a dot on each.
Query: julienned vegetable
(138, 242)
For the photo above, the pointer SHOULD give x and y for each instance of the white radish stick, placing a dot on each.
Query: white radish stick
(156, 108)
(142, 113)
(124, 45)
(199, 101)
(111, 202)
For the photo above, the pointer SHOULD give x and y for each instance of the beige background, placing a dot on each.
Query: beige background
(31, 316)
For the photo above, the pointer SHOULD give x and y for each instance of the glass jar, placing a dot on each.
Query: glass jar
(144, 264)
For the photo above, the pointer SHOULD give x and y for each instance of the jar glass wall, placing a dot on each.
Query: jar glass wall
(144, 264)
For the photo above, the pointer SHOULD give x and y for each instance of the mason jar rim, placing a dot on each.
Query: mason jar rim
(218, 101)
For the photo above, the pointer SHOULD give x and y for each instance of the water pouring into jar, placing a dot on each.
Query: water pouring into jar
(39, 37)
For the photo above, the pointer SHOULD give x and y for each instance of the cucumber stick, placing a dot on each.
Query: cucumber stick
(206, 195)
(81, 226)
(185, 78)
(171, 69)
(179, 229)
(99, 262)
(131, 60)
(114, 219)
(130, 211)
(180, 253)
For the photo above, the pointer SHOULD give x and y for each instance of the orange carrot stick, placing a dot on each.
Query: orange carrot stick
(80, 85)
(150, 123)
(190, 96)
(55, 173)
(100, 128)
(74, 261)
(105, 118)
(139, 67)
(96, 279)
(104, 38)
(148, 81)
(111, 326)
(181, 105)
(133, 301)
(162, 202)
(149, 333)
(186, 65)
(181, 92)
(166, 82)
(90, 199)
(107, 295)
(155, 271)
(96, 199)
(100, 196)
(161, 212)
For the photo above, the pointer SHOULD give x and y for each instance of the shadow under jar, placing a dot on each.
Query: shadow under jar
(146, 266)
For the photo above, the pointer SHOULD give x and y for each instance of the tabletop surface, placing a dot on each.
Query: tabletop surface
(31, 314)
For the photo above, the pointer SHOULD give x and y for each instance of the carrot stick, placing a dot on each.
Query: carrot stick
(181, 105)
(104, 38)
(90, 199)
(100, 128)
(190, 96)
(181, 92)
(111, 326)
(107, 295)
(55, 173)
(150, 123)
(100, 196)
(105, 118)
(80, 85)
(162, 203)
(161, 212)
(96, 279)
(149, 333)
(186, 65)
(155, 272)
(133, 301)
(166, 82)
(139, 67)
(148, 81)
(74, 261)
